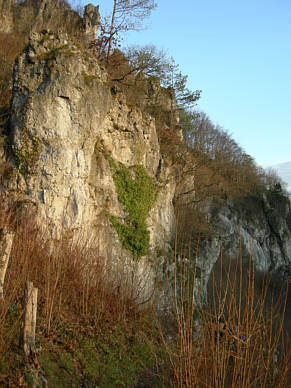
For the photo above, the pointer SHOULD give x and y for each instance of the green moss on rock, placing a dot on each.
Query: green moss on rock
(89, 78)
(28, 154)
(138, 196)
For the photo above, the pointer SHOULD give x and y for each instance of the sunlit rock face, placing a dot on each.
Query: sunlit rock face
(66, 126)
(29, 15)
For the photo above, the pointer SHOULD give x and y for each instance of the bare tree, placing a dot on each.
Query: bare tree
(128, 15)
(154, 62)
(148, 60)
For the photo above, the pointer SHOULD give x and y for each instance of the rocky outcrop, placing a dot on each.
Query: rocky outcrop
(29, 15)
(91, 21)
(67, 125)
(256, 227)
(261, 225)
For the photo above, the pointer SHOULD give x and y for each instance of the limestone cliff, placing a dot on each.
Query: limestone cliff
(66, 126)
(28, 15)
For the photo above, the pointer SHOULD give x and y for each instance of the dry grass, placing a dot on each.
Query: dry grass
(90, 315)
(11, 45)
(75, 284)
(238, 340)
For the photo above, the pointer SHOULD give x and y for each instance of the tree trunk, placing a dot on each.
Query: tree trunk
(6, 241)
(27, 340)
(111, 29)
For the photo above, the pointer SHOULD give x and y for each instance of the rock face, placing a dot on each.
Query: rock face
(263, 226)
(66, 127)
(6, 15)
(91, 21)
(30, 15)
(257, 227)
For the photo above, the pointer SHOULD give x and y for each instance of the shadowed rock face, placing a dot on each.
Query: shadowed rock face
(264, 229)
(251, 227)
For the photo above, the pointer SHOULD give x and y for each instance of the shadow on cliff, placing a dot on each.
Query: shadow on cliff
(239, 338)
(267, 288)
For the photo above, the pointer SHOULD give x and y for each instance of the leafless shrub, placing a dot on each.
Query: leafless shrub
(237, 341)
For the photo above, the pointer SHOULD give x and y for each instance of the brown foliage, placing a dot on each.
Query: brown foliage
(238, 341)
(74, 282)
(11, 45)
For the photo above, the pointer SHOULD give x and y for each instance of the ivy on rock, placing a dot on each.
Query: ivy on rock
(138, 196)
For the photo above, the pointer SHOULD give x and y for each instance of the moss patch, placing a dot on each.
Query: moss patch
(28, 154)
(89, 78)
(138, 196)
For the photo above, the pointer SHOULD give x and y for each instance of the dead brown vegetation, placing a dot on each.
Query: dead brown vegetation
(11, 45)
(83, 303)
(75, 283)
(238, 340)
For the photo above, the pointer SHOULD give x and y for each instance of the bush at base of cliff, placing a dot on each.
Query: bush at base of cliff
(238, 340)
(90, 329)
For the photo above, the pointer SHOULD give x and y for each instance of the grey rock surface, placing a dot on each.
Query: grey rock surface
(256, 228)
(66, 124)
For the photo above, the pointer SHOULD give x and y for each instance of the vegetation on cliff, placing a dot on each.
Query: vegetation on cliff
(137, 196)
(90, 328)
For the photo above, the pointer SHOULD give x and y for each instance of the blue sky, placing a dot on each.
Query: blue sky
(239, 54)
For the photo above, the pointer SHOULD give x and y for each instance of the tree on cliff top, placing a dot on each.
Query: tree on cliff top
(127, 15)
(154, 62)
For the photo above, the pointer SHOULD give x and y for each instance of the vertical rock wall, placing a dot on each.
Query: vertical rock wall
(66, 125)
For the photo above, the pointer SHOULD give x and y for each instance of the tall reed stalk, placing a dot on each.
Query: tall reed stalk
(237, 339)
